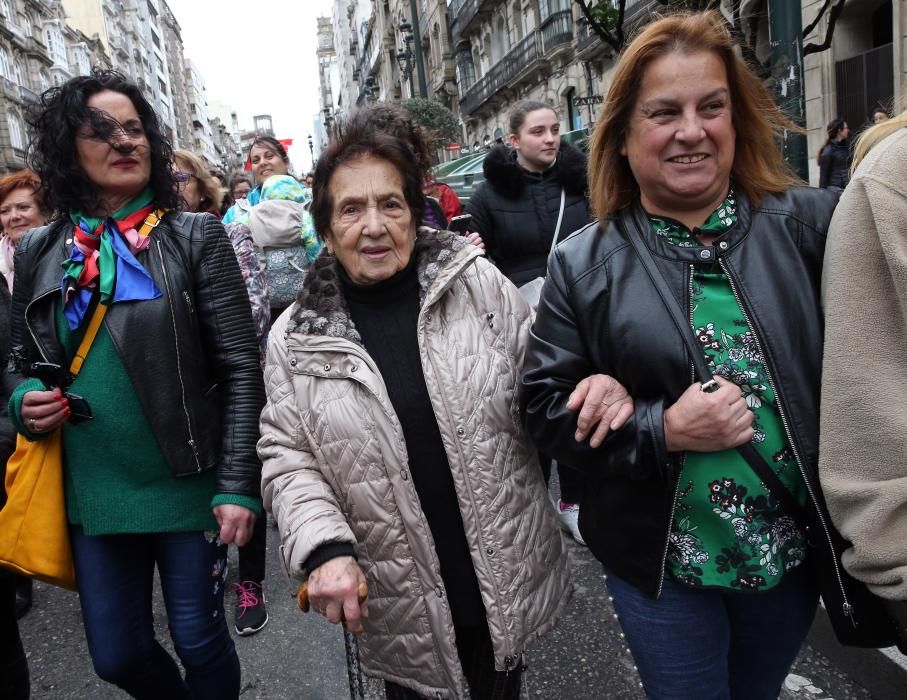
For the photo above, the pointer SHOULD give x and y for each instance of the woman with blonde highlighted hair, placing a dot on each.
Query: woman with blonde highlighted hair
(199, 189)
(693, 200)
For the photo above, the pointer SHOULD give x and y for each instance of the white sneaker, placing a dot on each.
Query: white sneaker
(569, 516)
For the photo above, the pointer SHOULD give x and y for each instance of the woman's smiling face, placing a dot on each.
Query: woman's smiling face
(680, 141)
(266, 162)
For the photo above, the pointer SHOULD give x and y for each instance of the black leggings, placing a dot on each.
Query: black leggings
(252, 553)
(571, 480)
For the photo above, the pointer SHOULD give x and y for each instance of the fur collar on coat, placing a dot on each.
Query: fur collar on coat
(321, 308)
(509, 180)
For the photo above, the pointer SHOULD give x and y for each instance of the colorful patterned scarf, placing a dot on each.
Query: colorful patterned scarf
(103, 258)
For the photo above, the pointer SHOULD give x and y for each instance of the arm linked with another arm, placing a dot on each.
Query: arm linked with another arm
(556, 361)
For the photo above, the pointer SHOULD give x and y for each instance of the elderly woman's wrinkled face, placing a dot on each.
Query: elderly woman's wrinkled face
(680, 140)
(19, 212)
(266, 162)
(112, 148)
(372, 229)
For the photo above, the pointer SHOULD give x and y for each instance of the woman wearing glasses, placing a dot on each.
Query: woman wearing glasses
(164, 475)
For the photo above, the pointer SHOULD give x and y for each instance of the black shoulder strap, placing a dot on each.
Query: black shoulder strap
(762, 469)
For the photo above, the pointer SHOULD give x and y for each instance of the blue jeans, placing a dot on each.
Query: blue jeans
(115, 576)
(711, 644)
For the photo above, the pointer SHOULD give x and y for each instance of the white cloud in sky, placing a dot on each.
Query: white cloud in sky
(258, 57)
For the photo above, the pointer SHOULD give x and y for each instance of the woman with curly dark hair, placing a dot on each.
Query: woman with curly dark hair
(159, 426)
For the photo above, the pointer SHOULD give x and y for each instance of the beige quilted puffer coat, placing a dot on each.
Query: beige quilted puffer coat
(335, 464)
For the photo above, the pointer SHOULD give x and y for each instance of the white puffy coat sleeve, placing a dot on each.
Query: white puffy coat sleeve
(293, 487)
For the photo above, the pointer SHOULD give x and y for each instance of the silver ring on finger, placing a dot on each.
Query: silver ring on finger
(33, 423)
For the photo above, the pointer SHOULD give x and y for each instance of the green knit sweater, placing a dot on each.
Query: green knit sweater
(117, 478)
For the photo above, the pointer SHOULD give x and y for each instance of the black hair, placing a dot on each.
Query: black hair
(56, 118)
(517, 114)
(361, 138)
(397, 122)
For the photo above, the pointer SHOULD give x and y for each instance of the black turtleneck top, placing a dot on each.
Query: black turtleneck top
(386, 315)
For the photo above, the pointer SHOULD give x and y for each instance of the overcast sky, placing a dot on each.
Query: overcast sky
(258, 56)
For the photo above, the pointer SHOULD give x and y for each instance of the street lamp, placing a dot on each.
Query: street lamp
(405, 55)
(312, 151)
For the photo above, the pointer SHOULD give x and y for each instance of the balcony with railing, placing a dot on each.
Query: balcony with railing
(27, 96)
(502, 73)
(9, 87)
(556, 30)
(461, 14)
(554, 34)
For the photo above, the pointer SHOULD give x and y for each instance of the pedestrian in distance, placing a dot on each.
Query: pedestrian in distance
(21, 209)
(238, 187)
(394, 458)
(864, 416)
(835, 157)
(534, 191)
(267, 157)
(201, 192)
(879, 115)
(446, 197)
(701, 222)
(161, 470)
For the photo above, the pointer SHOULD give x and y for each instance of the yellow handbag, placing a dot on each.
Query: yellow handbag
(34, 533)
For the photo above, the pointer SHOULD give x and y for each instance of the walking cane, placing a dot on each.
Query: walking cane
(353, 667)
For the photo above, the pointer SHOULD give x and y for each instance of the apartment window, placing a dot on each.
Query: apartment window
(83, 65)
(16, 132)
(27, 26)
(43, 81)
(17, 74)
(55, 46)
(4, 64)
(549, 7)
(5, 10)
(154, 39)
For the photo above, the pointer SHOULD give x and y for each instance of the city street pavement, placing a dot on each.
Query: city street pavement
(302, 656)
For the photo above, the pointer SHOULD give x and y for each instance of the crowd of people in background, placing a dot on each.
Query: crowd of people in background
(393, 381)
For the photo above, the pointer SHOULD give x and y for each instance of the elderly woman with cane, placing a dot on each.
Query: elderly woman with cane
(393, 451)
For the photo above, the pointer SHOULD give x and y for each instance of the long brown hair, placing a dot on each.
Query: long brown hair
(759, 124)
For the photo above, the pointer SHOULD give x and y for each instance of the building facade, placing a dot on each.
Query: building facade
(38, 49)
(47, 42)
(864, 68)
(328, 79)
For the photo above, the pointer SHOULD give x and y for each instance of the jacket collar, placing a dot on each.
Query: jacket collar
(57, 247)
(633, 221)
(322, 310)
(509, 180)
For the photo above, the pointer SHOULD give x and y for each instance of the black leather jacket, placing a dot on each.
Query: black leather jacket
(191, 354)
(599, 313)
(834, 165)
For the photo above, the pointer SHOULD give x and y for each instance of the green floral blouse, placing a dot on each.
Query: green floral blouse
(728, 532)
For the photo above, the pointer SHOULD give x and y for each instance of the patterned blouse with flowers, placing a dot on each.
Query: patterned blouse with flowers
(728, 531)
